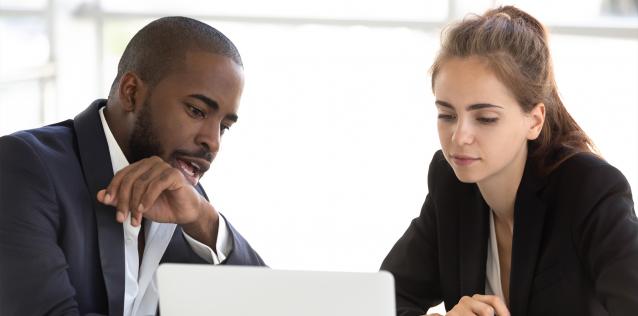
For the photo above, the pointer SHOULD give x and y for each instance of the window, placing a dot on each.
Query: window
(25, 71)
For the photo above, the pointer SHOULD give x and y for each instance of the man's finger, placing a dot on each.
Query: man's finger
(137, 219)
(124, 194)
(153, 191)
(107, 199)
(111, 189)
(121, 185)
(104, 197)
(101, 196)
(141, 184)
(164, 181)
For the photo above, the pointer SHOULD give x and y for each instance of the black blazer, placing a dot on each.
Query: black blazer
(61, 251)
(575, 246)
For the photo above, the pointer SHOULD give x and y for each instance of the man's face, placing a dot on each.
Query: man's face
(184, 116)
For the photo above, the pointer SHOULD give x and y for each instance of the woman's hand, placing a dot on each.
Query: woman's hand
(478, 305)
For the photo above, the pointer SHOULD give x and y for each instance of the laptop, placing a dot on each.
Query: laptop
(190, 289)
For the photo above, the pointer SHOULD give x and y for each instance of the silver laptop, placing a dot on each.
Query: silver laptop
(187, 289)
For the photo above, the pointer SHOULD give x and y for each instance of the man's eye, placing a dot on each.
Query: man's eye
(223, 128)
(196, 112)
(446, 117)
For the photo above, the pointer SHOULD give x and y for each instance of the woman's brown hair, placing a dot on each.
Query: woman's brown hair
(515, 46)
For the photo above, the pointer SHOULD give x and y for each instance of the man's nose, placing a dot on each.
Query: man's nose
(209, 137)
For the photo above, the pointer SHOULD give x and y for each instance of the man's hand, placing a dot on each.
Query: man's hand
(153, 189)
(481, 305)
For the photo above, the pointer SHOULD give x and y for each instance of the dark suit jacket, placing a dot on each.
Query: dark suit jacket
(61, 251)
(575, 246)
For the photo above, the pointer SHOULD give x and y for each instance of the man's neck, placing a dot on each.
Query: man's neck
(114, 120)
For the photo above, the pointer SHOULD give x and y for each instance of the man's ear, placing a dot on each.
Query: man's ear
(536, 120)
(131, 91)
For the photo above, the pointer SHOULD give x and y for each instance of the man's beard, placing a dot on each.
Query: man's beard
(143, 142)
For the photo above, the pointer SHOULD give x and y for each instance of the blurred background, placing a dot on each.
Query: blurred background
(328, 163)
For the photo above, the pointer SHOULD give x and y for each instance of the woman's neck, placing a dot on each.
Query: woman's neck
(499, 190)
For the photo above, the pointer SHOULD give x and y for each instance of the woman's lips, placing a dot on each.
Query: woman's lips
(462, 160)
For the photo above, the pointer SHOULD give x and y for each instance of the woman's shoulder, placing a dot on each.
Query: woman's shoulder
(585, 167)
(586, 179)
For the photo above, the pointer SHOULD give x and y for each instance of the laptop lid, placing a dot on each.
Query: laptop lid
(189, 289)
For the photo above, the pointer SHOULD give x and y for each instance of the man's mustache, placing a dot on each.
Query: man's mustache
(202, 154)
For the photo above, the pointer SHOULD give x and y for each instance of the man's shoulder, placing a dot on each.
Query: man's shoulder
(47, 143)
(51, 136)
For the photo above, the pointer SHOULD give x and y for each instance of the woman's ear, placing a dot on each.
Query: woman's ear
(536, 121)
(131, 91)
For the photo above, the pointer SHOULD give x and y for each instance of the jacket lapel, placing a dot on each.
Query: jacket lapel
(529, 216)
(474, 230)
(98, 172)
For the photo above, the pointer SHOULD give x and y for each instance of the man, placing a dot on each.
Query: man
(74, 238)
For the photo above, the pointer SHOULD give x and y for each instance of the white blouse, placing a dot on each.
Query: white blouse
(493, 268)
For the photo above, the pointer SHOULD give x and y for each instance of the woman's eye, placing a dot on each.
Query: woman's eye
(487, 120)
(446, 117)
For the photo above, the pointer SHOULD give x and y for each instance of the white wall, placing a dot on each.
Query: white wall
(328, 163)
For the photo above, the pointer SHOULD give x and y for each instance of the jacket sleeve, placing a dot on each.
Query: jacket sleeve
(242, 253)
(413, 261)
(607, 239)
(33, 268)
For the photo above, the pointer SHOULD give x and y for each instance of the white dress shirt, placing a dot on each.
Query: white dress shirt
(493, 268)
(140, 288)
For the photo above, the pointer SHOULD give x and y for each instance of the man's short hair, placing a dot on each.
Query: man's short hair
(162, 45)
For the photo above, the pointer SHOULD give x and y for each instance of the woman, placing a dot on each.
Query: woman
(522, 217)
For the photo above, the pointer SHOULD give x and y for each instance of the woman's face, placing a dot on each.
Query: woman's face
(482, 129)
